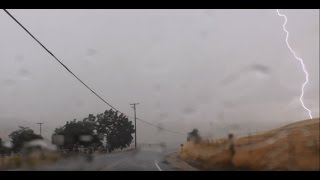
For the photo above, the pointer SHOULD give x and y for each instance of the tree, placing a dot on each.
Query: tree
(21, 136)
(79, 133)
(194, 136)
(1, 147)
(117, 128)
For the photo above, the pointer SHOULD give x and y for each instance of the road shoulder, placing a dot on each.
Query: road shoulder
(177, 163)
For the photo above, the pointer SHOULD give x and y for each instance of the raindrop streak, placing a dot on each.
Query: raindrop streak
(300, 60)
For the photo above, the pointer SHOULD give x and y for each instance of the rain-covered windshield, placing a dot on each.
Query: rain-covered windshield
(159, 90)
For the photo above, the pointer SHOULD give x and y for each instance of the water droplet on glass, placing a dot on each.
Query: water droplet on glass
(228, 104)
(157, 105)
(79, 103)
(86, 138)
(58, 139)
(160, 127)
(23, 73)
(188, 110)
(163, 116)
(157, 87)
(9, 83)
(260, 71)
(7, 144)
(19, 58)
(91, 52)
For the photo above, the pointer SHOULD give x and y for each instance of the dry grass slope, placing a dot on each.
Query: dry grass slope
(33, 160)
(292, 147)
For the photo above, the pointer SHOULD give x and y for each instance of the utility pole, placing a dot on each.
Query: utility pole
(40, 127)
(135, 124)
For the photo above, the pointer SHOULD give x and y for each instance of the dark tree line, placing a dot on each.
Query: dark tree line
(115, 127)
(89, 132)
(74, 130)
(18, 139)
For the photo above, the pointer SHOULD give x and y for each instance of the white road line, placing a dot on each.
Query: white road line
(155, 162)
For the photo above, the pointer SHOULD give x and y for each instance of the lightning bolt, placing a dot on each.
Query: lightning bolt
(301, 62)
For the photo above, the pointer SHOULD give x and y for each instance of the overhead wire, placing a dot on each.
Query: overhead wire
(82, 82)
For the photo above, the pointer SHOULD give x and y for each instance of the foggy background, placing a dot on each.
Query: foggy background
(215, 70)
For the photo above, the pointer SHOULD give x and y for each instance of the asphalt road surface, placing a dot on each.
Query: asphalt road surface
(145, 159)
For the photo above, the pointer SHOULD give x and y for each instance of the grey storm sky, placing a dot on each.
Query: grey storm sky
(207, 69)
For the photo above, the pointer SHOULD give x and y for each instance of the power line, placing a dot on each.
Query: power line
(59, 61)
(76, 75)
(160, 127)
(180, 133)
(156, 126)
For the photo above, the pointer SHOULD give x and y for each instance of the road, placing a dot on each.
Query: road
(145, 159)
